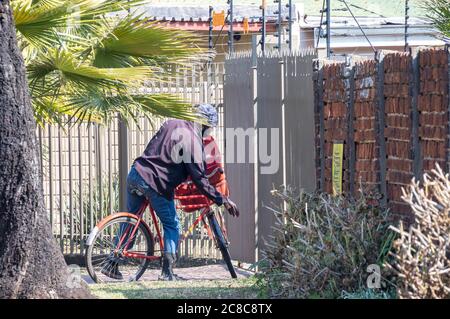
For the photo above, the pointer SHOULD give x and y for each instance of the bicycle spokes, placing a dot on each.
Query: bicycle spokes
(120, 250)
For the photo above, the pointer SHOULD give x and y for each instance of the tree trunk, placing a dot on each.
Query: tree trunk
(31, 264)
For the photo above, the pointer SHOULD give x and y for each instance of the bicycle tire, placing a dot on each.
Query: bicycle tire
(221, 243)
(142, 228)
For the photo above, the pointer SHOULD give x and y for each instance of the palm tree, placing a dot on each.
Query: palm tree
(31, 263)
(87, 59)
(439, 13)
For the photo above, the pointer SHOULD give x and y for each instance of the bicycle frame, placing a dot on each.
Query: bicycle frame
(205, 210)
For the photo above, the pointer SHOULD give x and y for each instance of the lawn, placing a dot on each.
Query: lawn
(186, 289)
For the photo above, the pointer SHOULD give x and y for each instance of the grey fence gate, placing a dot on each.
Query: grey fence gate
(273, 96)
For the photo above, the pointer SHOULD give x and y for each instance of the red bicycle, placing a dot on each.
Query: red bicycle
(126, 240)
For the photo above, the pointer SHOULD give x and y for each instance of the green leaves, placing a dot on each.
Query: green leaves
(133, 40)
(86, 63)
(439, 13)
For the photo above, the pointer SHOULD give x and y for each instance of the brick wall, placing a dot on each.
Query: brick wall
(398, 130)
(335, 120)
(365, 125)
(433, 108)
(414, 92)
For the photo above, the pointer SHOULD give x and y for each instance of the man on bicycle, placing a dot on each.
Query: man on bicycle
(173, 154)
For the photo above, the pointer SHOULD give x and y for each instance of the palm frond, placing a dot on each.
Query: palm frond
(95, 105)
(46, 111)
(166, 105)
(60, 69)
(39, 21)
(439, 14)
(84, 62)
(134, 40)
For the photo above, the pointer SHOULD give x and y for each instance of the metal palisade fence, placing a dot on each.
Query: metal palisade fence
(84, 166)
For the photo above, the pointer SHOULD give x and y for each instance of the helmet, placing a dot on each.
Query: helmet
(209, 113)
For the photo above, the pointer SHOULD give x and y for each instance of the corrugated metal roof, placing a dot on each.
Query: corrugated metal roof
(386, 8)
(195, 12)
(347, 22)
(382, 36)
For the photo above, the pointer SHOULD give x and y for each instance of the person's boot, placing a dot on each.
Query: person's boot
(167, 267)
(111, 269)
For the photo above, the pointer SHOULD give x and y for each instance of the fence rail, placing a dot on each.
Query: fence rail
(82, 169)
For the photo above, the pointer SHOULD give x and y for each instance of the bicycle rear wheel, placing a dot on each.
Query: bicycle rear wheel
(221, 243)
(103, 255)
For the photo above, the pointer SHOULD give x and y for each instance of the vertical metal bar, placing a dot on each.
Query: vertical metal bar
(146, 130)
(98, 154)
(71, 228)
(290, 25)
(279, 26)
(50, 174)
(321, 126)
(186, 241)
(210, 30)
(328, 11)
(283, 118)
(61, 212)
(209, 83)
(80, 188)
(230, 31)
(264, 27)
(185, 79)
(193, 88)
(254, 78)
(214, 77)
(414, 92)
(381, 122)
(123, 164)
(41, 162)
(406, 24)
(110, 187)
(91, 200)
(138, 133)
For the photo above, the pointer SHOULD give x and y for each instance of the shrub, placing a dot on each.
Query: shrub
(322, 245)
(421, 254)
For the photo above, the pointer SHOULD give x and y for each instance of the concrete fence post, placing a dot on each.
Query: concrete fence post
(349, 76)
(381, 125)
(414, 92)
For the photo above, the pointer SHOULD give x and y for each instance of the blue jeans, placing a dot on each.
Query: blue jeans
(137, 191)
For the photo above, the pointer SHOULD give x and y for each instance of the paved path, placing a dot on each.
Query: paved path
(209, 272)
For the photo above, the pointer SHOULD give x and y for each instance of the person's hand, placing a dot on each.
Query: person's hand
(231, 207)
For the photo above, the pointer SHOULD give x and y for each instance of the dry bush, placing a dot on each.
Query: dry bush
(322, 245)
(422, 253)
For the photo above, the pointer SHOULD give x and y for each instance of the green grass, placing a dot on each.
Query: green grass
(189, 289)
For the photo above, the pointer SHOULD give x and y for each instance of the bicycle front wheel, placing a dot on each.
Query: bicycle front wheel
(105, 260)
(221, 243)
